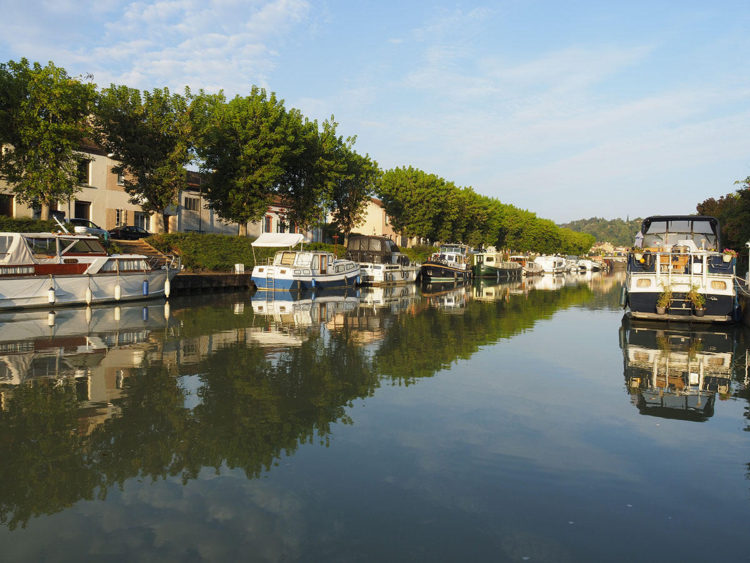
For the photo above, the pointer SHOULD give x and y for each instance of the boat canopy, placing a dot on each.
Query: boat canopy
(278, 240)
(667, 230)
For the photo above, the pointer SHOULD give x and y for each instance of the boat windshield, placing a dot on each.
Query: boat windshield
(82, 246)
(668, 232)
(452, 248)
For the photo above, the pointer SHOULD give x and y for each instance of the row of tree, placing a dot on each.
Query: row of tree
(733, 212)
(619, 232)
(251, 150)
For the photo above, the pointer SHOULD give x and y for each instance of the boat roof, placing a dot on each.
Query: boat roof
(713, 221)
(278, 240)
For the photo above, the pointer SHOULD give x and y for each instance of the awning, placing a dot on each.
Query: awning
(278, 240)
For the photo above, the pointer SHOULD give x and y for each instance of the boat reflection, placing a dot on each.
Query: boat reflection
(93, 348)
(677, 371)
(492, 291)
(449, 297)
(395, 298)
(304, 308)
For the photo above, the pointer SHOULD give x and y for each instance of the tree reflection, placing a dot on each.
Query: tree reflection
(256, 404)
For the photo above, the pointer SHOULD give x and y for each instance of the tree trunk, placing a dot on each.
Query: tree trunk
(242, 231)
(44, 214)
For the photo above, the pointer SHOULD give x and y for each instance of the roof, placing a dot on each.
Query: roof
(278, 240)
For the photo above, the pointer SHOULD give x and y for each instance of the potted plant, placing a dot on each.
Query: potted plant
(698, 300)
(664, 300)
(728, 254)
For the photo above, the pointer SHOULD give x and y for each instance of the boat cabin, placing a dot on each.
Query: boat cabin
(366, 249)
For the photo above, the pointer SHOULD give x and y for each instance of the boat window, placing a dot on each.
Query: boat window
(82, 246)
(374, 245)
(42, 246)
(5, 244)
(285, 258)
(315, 262)
(354, 243)
(303, 259)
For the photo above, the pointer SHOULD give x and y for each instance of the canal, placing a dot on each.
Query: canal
(519, 422)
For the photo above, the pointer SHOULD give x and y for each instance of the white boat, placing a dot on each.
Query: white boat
(380, 260)
(301, 270)
(551, 264)
(678, 273)
(55, 269)
(530, 268)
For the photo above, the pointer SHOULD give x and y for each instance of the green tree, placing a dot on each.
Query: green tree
(44, 119)
(353, 184)
(151, 135)
(244, 147)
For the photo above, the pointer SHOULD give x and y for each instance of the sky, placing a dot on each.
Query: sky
(570, 109)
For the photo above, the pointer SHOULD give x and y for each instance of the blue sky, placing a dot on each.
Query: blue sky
(568, 109)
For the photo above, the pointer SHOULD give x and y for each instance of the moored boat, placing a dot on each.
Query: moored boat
(450, 263)
(380, 260)
(677, 272)
(492, 264)
(56, 269)
(301, 270)
(530, 268)
(551, 264)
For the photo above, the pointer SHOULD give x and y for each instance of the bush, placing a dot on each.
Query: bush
(27, 225)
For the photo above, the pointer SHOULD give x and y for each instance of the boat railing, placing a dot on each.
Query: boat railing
(165, 261)
(697, 265)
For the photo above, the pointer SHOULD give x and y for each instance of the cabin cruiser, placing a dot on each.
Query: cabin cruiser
(54, 269)
(530, 268)
(678, 272)
(452, 262)
(380, 260)
(551, 264)
(301, 269)
(492, 264)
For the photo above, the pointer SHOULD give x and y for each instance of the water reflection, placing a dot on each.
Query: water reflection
(228, 382)
(677, 371)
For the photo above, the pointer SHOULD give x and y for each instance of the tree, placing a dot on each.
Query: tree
(44, 120)
(151, 135)
(244, 147)
(352, 186)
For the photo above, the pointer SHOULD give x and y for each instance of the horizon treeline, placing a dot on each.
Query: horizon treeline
(251, 150)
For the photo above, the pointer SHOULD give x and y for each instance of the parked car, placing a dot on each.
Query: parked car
(129, 232)
(86, 226)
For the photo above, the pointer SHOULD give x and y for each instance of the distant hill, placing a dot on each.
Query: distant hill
(616, 231)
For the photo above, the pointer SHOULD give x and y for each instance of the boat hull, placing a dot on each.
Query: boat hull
(437, 272)
(387, 274)
(272, 280)
(62, 290)
(501, 273)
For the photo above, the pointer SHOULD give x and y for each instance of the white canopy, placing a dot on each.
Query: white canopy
(278, 239)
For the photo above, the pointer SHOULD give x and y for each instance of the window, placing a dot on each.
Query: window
(84, 172)
(191, 203)
(6, 205)
(121, 217)
(140, 219)
(267, 224)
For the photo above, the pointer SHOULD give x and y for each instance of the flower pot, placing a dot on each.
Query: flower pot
(727, 258)
(699, 311)
(661, 310)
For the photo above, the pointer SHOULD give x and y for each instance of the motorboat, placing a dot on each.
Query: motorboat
(452, 262)
(380, 260)
(55, 269)
(301, 270)
(551, 264)
(490, 263)
(530, 268)
(677, 271)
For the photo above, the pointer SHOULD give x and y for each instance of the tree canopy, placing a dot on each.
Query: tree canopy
(44, 121)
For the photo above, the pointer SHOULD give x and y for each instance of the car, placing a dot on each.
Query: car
(129, 232)
(85, 226)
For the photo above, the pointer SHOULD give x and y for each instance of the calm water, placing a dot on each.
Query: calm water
(489, 423)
